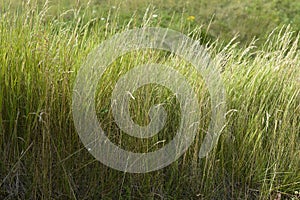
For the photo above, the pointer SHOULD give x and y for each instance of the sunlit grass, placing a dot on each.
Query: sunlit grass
(42, 157)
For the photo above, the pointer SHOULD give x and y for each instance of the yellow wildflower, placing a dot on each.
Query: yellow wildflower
(191, 18)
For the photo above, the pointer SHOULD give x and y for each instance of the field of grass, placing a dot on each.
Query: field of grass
(43, 46)
(220, 18)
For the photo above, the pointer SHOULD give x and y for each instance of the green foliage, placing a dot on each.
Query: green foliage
(220, 19)
(42, 157)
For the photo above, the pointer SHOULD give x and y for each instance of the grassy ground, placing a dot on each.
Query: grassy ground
(222, 19)
(41, 51)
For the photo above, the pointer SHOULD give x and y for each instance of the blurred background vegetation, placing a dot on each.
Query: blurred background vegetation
(222, 19)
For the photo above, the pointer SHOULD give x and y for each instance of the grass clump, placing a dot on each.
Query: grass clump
(42, 157)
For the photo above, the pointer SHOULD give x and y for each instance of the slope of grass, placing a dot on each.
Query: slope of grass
(221, 19)
(42, 157)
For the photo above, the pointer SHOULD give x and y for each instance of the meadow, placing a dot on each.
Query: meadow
(256, 46)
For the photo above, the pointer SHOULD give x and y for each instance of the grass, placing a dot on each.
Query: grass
(42, 157)
(220, 19)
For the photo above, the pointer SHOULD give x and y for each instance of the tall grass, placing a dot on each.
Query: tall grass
(42, 157)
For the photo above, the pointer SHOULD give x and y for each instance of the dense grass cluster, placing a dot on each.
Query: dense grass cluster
(42, 157)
